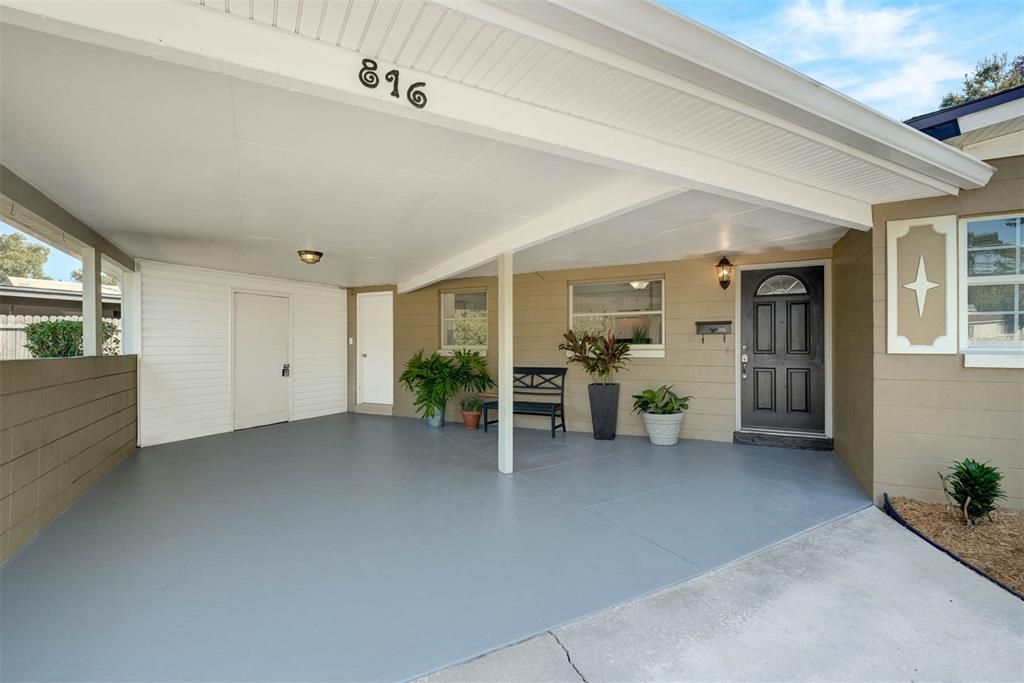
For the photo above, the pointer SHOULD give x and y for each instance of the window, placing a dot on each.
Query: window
(992, 283)
(781, 284)
(633, 311)
(464, 320)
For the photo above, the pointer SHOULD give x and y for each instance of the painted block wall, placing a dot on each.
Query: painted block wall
(929, 409)
(853, 313)
(541, 315)
(64, 423)
(185, 364)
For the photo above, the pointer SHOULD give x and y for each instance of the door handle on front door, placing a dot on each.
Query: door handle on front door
(286, 370)
(743, 365)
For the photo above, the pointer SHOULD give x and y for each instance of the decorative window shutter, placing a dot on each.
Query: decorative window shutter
(921, 285)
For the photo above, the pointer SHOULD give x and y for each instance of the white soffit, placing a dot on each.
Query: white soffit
(688, 225)
(444, 39)
(188, 166)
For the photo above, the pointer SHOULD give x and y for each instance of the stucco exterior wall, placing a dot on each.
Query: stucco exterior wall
(705, 370)
(854, 313)
(929, 409)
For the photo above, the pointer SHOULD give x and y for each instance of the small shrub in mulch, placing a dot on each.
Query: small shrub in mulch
(995, 544)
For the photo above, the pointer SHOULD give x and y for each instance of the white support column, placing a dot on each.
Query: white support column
(92, 303)
(130, 313)
(505, 461)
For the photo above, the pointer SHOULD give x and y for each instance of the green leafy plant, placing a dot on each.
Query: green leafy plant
(471, 371)
(660, 401)
(432, 379)
(600, 356)
(640, 335)
(472, 403)
(63, 339)
(974, 487)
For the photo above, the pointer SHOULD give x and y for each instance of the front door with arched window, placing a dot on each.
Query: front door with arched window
(782, 349)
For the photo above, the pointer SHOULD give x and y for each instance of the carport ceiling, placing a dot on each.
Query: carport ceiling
(687, 225)
(189, 166)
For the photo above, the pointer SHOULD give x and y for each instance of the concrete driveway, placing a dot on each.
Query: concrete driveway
(857, 599)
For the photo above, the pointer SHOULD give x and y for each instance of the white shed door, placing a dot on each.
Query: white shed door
(376, 348)
(260, 372)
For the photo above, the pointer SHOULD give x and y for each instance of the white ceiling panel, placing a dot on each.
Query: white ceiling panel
(193, 167)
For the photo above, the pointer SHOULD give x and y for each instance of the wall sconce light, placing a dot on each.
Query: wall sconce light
(724, 269)
(639, 284)
(309, 256)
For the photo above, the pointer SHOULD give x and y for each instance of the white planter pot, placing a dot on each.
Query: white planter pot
(663, 430)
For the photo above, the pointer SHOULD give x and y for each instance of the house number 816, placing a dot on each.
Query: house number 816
(369, 77)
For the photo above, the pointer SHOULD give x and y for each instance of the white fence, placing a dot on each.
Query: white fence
(12, 332)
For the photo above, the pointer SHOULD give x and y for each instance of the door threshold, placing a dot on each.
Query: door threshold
(810, 441)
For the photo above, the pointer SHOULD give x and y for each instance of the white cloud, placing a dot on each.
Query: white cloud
(892, 58)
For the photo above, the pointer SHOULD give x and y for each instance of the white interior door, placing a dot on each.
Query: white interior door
(375, 348)
(261, 375)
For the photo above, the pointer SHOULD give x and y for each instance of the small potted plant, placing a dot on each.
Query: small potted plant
(601, 357)
(662, 411)
(433, 381)
(640, 335)
(471, 407)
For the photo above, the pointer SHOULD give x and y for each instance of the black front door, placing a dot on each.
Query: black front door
(782, 349)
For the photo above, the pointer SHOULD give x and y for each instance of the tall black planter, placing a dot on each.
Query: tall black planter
(604, 409)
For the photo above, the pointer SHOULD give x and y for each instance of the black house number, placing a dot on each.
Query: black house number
(369, 77)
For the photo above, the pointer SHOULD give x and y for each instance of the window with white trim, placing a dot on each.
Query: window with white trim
(634, 311)
(464, 320)
(992, 283)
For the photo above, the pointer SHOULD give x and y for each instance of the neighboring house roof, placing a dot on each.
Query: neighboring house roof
(35, 288)
(988, 128)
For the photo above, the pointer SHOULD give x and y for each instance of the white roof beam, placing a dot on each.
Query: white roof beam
(184, 34)
(632, 193)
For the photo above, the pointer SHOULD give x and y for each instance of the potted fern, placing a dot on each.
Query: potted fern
(600, 357)
(432, 380)
(662, 411)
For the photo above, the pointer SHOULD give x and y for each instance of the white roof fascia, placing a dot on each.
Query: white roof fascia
(647, 33)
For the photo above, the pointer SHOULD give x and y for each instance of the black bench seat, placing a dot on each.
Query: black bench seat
(540, 382)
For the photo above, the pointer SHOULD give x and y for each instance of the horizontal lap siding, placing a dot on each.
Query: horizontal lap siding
(930, 410)
(185, 366)
(705, 369)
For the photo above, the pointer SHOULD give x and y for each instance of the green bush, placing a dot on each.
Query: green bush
(63, 339)
(974, 487)
(660, 401)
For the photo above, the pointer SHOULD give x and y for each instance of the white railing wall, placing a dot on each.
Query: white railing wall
(12, 332)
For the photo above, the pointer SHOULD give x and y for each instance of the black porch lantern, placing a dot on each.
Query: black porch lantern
(724, 269)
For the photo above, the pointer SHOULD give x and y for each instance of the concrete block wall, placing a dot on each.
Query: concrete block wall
(64, 423)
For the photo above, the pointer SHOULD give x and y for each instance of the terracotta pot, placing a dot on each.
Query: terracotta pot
(471, 419)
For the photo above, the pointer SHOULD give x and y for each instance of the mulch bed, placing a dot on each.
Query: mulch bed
(994, 546)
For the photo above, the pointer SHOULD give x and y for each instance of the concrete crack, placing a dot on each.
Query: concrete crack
(568, 657)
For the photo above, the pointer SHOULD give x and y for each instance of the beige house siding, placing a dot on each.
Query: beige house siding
(64, 423)
(929, 409)
(541, 315)
(852, 326)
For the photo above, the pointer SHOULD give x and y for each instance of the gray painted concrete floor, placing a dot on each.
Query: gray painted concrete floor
(858, 599)
(356, 547)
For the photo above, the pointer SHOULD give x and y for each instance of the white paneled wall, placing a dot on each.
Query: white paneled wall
(185, 364)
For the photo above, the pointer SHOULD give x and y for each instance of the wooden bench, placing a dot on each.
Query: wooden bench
(534, 381)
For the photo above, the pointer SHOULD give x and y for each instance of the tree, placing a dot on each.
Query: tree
(105, 279)
(20, 258)
(991, 75)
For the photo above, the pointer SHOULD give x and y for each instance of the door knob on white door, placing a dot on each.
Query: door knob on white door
(286, 370)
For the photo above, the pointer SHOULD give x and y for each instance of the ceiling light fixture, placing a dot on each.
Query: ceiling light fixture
(724, 269)
(309, 256)
(639, 284)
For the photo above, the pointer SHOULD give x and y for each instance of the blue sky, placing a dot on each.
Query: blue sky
(898, 57)
(58, 266)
